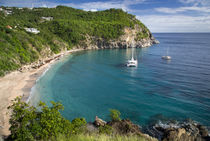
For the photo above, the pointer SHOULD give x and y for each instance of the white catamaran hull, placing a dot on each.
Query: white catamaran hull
(132, 63)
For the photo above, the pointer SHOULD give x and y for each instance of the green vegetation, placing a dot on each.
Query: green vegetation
(69, 28)
(41, 123)
(115, 115)
(141, 35)
(102, 137)
(29, 123)
(105, 129)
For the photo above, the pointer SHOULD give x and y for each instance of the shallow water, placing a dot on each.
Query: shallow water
(89, 83)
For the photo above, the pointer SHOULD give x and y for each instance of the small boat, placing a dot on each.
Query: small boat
(167, 57)
(132, 62)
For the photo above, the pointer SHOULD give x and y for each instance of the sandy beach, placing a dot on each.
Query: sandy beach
(19, 84)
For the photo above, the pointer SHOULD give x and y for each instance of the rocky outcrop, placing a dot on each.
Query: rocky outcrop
(123, 127)
(126, 127)
(99, 122)
(179, 131)
(129, 39)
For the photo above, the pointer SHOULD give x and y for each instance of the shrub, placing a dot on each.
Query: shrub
(29, 123)
(105, 129)
(115, 115)
(78, 125)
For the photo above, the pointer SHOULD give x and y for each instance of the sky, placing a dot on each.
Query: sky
(158, 15)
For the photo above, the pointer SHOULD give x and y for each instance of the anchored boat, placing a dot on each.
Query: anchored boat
(167, 57)
(132, 62)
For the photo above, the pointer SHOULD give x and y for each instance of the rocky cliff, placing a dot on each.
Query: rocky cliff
(127, 40)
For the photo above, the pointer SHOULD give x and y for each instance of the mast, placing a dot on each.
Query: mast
(132, 50)
(167, 51)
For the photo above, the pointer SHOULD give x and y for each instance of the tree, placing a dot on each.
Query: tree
(115, 115)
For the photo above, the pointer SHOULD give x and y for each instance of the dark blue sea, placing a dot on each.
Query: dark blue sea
(89, 83)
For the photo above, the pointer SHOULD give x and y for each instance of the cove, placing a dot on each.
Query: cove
(89, 83)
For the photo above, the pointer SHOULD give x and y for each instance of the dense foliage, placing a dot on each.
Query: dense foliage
(115, 115)
(105, 130)
(29, 123)
(69, 27)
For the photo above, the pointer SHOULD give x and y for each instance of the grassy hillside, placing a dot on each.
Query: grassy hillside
(68, 28)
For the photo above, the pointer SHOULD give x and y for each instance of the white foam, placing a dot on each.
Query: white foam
(34, 86)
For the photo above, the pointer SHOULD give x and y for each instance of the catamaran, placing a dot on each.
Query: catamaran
(132, 62)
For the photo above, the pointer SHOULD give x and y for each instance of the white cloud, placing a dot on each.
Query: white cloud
(125, 4)
(196, 2)
(183, 9)
(28, 3)
(176, 23)
(97, 5)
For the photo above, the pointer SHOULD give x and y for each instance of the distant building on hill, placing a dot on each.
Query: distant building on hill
(7, 12)
(47, 18)
(32, 30)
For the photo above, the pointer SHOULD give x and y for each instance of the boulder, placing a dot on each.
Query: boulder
(99, 122)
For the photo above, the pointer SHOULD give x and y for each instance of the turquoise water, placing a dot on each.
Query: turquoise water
(89, 83)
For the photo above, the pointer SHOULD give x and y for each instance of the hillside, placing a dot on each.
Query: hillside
(28, 35)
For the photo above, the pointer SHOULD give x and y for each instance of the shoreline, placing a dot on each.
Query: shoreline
(19, 83)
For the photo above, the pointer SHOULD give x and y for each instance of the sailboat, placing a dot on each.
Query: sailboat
(167, 57)
(132, 62)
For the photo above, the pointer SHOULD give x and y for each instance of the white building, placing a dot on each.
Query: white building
(47, 18)
(32, 30)
(1, 9)
(7, 12)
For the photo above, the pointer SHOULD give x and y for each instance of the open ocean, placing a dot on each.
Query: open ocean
(89, 83)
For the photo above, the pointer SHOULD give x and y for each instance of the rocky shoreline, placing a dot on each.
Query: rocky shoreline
(187, 130)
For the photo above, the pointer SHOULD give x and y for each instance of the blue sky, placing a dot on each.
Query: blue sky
(157, 15)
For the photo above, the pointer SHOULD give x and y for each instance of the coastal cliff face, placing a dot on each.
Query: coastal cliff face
(127, 40)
